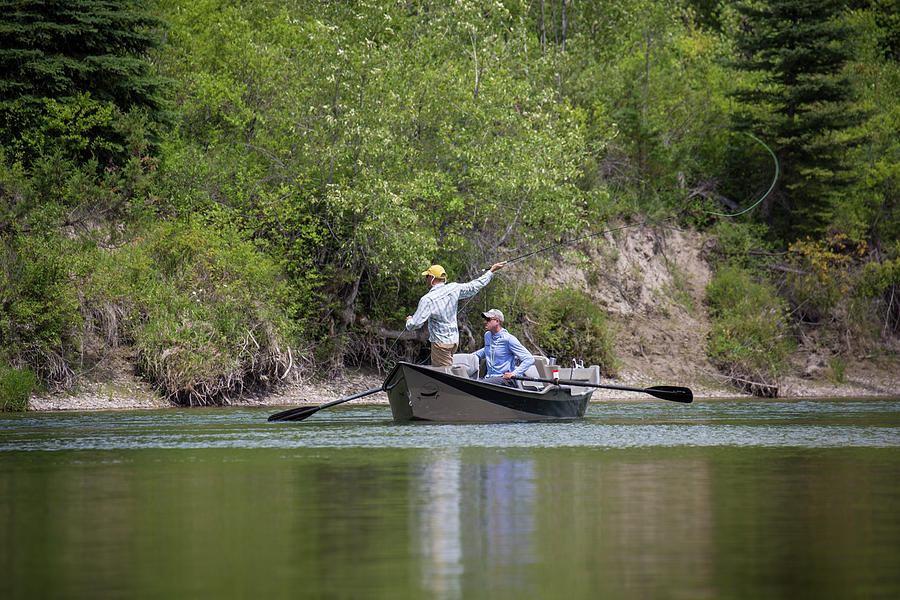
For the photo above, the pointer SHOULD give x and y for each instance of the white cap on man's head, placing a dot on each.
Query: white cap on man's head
(493, 314)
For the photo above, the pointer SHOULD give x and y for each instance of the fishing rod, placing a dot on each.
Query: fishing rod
(572, 241)
(464, 303)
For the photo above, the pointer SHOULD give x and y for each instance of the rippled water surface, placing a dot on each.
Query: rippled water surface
(724, 499)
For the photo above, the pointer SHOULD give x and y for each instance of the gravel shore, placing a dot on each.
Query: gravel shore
(129, 393)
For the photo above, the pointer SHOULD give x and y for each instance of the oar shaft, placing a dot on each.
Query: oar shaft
(300, 413)
(675, 394)
(582, 384)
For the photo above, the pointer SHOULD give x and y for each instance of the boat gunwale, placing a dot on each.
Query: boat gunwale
(485, 384)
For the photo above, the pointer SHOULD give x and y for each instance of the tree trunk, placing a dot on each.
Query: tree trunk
(543, 31)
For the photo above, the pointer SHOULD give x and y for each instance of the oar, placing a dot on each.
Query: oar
(298, 414)
(665, 392)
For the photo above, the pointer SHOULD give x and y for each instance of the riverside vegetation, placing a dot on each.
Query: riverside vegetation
(235, 193)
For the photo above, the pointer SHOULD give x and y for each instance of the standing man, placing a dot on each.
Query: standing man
(438, 308)
(501, 349)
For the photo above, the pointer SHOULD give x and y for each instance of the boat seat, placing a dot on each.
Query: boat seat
(542, 365)
(469, 362)
(533, 371)
(531, 385)
(459, 370)
(590, 374)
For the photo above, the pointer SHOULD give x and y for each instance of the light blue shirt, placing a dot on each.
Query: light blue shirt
(438, 308)
(500, 352)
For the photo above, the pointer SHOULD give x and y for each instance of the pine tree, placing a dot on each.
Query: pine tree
(801, 104)
(887, 17)
(60, 59)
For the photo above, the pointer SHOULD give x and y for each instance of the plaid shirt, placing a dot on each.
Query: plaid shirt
(438, 308)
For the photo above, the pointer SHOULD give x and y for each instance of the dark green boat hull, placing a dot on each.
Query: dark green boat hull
(419, 392)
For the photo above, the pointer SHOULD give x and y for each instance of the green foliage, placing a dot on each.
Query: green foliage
(39, 309)
(564, 323)
(886, 15)
(16, 386)
(877, 278)
(873, 209)
(203, 307)
(737, 241)
(61, 196)
(52, 49)
(79, 128)
(655, 93)
(801, 101)
(68, 69)
(748, 339)
(570, 326)
(824, 271)
(878, 292)
(837, 370)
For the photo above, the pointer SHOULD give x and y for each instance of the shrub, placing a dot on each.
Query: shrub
(748, 339)
(837, 370)
(879, 291)
(564, 323)
(39, 316)
(203, 308)
(16, 386)
(822, 275)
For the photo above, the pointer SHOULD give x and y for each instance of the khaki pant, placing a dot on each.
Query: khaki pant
(442, 354)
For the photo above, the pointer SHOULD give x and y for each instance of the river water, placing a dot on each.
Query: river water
(719, 500)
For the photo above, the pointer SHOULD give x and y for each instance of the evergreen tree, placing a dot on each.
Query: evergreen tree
(801, 105)
(68, 68)
(887, 17)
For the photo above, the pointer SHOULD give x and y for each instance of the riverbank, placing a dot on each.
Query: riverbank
(653, 288)
(127, 392)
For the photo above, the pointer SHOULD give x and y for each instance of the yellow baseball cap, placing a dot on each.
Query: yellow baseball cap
(436, 271)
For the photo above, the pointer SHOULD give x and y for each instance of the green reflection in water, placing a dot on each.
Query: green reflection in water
(458, 520)
(453, 523)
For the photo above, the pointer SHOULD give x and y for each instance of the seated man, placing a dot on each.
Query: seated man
(501, 348)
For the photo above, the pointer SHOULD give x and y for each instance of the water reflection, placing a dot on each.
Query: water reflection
(507, 492)
(724, 500)
(475, 522)
(438, 531)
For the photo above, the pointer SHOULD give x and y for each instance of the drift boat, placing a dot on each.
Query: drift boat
(454, 394)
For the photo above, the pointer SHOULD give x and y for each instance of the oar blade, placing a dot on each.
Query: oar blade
(302, 414)
(290, 414)
(671, 392)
